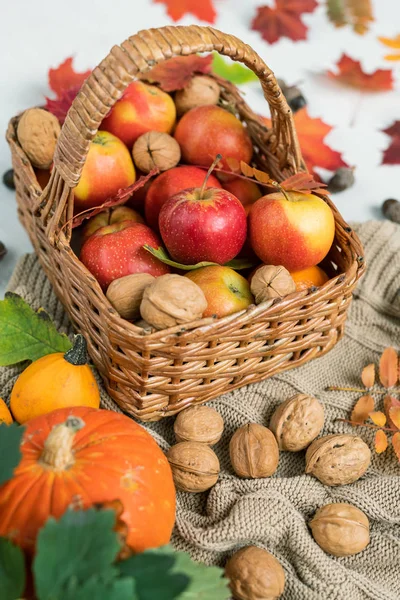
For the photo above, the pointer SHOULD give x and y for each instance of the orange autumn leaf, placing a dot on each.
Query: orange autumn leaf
(394, 44)
(396, 444)
(176, 9)
(357, 13)
(64, 78)
(362, 409)
(351, 73)
(388, 368)
(175, 73)
(378, 418)
(388, 403)
(368, 376)
(394, 413)
(381, 441)
(283, 20)
(304, 182)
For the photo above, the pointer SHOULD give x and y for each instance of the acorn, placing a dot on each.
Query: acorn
(293, 95)
(342, 179)
(391, 210)
(8, 179)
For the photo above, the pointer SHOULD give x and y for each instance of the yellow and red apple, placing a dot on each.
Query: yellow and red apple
(291, 229)
(117, 250)
(142, 108)
(108, 168)
(168, 184)
(226, 291)
(206, 131)
(109, 217)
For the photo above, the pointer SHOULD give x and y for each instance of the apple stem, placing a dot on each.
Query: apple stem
(210, 170)
(281, 189)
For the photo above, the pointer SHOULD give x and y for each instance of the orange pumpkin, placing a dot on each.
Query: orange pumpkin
(76, 457)
(5, 415)
(55, 381)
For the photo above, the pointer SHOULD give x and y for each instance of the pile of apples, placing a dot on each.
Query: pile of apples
(196, 216)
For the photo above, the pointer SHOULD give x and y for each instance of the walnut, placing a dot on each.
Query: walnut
(199, 424)
(255, 574)
(271, 282)
(37, 132)
(340, 529)
(338, 459)
(156, 150)
(126, 293)
(254, 451)
(200, 91)
(297, 422)
(171, 300)
(195, 467)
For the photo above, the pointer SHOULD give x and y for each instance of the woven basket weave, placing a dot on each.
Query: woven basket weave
(152, 375)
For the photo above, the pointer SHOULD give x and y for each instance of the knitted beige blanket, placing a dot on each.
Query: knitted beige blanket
(273, 512)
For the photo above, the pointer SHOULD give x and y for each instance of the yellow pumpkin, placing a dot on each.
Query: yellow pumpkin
(5, 415)
(55, 381)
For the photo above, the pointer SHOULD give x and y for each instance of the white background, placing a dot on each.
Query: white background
(38, 35)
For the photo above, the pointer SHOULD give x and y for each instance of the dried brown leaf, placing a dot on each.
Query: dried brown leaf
(381, 441)
(378, 417)
(304, 182)
(394, 413)
(362, 409)
(388, 403)
(388, 368)
(396, 444)
(368, 376)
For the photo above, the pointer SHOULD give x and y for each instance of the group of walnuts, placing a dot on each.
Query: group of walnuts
(339, 529)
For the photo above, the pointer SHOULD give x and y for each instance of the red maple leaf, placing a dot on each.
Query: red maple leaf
(64, 77)
(311, 133)
(202, 9)
(351, 73)
(391, 155)
(61, 105)
(283, 20)
(174, 73)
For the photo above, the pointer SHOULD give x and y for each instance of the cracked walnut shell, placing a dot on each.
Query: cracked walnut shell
(200, 91)
(253, 451)
(340, 529)
(156, 150)
(199, 424)
(297, 422)
(338, 459)
(255, 574)
(270, 282)
(172, 300)
(37, 133)
(195, 467)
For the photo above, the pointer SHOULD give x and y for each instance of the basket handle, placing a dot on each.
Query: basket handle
(107, 83)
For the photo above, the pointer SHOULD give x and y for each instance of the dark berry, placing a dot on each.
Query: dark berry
(8, 179)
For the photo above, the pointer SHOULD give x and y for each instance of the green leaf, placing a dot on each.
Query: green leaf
(96, 589)
(236, 263)
(26, 334)
(234, 72)
(153, 576)
(163, 573)
(81, 545)
(12, 570)
(10, 452)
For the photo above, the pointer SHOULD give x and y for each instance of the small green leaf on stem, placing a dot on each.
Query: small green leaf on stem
(237, 263)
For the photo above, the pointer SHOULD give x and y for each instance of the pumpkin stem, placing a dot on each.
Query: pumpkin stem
(57, 451)
(78, 354)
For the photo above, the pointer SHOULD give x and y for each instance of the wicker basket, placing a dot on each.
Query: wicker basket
(158, 374)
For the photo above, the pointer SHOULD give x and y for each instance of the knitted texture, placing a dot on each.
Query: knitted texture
(273, 512)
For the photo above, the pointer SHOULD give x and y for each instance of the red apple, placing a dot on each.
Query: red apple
(170, 183)
(117, 250)
(207, 130)
(225, 290)
(203, 224)
(294, 230)
(245, 190)
(109, 217)
(137, 200)
(108, 168)
(142, 108)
